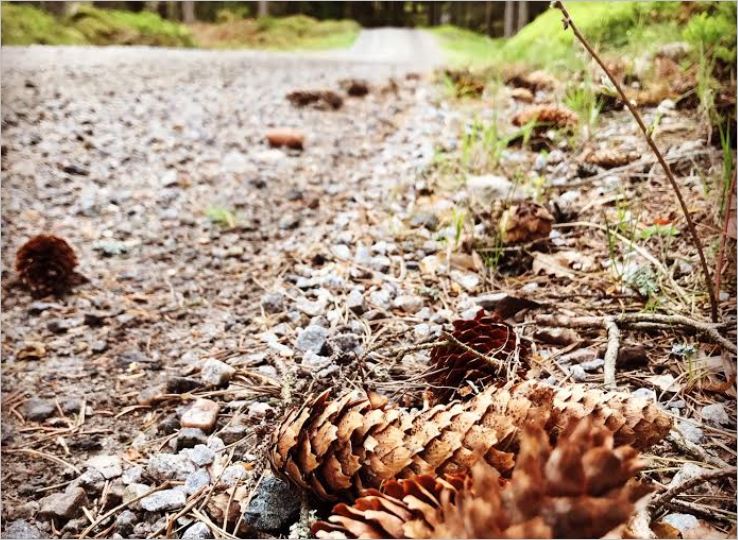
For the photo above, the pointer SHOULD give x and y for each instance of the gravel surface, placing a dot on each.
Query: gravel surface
(129, 153)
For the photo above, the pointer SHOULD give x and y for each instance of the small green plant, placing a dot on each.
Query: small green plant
(458, 218)
(657, 230)
(582, 100)
(221, 216)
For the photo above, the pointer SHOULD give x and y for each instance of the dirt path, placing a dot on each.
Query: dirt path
(131, 154)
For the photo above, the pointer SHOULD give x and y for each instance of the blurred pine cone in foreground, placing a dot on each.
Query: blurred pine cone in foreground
(583, 487)
(46, 265)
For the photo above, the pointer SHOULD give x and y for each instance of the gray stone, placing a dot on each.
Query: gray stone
(125, 521)
(198, 531)
(132, 474)
(273, 302)
(37, 410)
(202, 415)
(363, 255)
(685, 473)
(314, 362)
(233, 434)
(232, 474)
(289, 221)
(422, 331)
(408, 303)
(425, 219)
(216, 373)
(108, 466)
(312, 339)
(134, 491)
(715, 414)
(341, 251)
(578, 373)
(199, 455)
(381, 298)
(488, 188)
(164, 500)
(380, 263)
(216, 444)
(195, 480)
(355, 302)
(189, 437)
(65, 505)
(682, 522)
(691, 432)
(169, 467)
(22, 530)
(593, 365)
(274, 506)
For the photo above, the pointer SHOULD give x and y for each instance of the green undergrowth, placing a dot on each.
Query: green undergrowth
(283, 33)
(25, 25)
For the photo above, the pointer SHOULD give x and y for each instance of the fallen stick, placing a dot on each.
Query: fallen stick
(611, 353)
(642, 320)
(569, 23)
(670, 493)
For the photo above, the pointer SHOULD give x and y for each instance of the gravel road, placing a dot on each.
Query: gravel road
(128, 153)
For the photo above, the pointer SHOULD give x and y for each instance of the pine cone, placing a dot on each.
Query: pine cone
(355, 87)
(46, 265)
(608, 158)
(582, 488)
(337, 448)
(487, 334)
(525, 222)
(320, 99)
(549, 115)
(533, 81)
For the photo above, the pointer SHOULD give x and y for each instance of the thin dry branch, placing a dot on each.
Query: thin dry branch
(670, 493)
(569, 23)
(611, 354)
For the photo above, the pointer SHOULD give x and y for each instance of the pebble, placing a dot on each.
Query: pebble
(259, 409)
(425, 219)
(37, 409)
(274, 506)
(467, 280)
(134, 491)
(578, 373)
(422, 331)
(22, 530)
(341, 251)
(232, 474)
(181, 385)
(195, 480)
(314, 362)
(64, 505)
(685, 473)
(198, 531)
(132, 474)
(312, 339)
(169, 467)
(363, 255)
(199, 455)
(557, 336)
(216, 373)
(233, 434)
(691, 432)
(107, 465)
(273, 302)
(164, 500)
(289, 221)
(408, 303)
(380, 263)
(381, 298)
(355, 302)
(125, 521)
(488, 188)
(593, 365)
(715, 414)
(202, 415)
(682, 522)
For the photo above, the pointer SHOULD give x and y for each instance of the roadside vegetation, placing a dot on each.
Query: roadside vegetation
(24, 24)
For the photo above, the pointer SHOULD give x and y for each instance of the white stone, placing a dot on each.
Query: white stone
(715, 414)
(216, 373)
(109, 466)
(164, 500)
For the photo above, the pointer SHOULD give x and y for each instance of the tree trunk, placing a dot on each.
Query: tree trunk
(172, 10)
(488, 18)
(263, 10)
(509, 17)
(188, 12)
(522, 14)
(151, 5)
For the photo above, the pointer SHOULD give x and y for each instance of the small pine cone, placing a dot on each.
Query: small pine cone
(525, 222)
(550, 115)
(522, 94)
(581, 488)
(301, 98)
(533, 81)
(609, 159)
(337, 448)
(355, 87)
(46, 265)
(452, 365)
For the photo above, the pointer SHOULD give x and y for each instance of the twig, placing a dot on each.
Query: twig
(670, 493)
(642, 320)
(121, 507)
(44, 456)
(676, 438)
(701, 510)
(611, 353)
(724, 236)
(493, 362)
(568, 22)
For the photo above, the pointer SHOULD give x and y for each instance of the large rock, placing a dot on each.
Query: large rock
(22, 530)
(216, 373)
(65, 505)
(169, 467)
(274, 507)
(164, 500)
(108, 466)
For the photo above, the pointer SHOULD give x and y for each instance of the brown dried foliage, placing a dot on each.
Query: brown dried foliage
(581, 488)
(46, 265)
(337, 448)
(549, 115)
(525, 222)
(488, 335)
(466, 83)
(533, 81)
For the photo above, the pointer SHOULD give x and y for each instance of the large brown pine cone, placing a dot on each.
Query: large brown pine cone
(46, 265)
(525, 222)
(488, 335)
(581, 488)
(337, 448)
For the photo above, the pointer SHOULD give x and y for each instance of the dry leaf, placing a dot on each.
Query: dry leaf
(552, 265)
